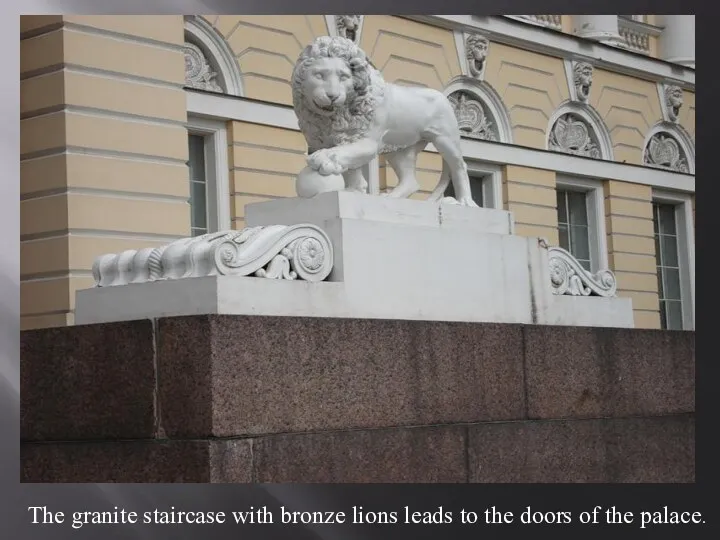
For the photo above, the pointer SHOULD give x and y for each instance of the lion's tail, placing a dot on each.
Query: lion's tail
(442, 185)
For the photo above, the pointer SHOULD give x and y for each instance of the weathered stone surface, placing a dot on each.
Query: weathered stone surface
(238, 375)
(419, 455)
(137, 461)
(598, 372)
(88, 382)
(658, 449)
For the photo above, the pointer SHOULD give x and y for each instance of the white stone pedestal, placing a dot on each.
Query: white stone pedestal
(393, 259)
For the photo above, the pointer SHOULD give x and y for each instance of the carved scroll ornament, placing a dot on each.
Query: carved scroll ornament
(567, 276)
(275, 252)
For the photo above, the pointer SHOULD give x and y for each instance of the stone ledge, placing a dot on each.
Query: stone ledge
(658, 450)
(231, 376)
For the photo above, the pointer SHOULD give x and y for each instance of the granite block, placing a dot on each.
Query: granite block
(137, 462)
(229, 376)
(418, 455)
(185, 383)
(87, 382)
(628, 450)
(576, 372)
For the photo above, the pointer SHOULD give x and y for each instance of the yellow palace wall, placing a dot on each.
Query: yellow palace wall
(104, 143)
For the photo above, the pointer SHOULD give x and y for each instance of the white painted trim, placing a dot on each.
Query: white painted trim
(680, 135)
(570, 79)
(217, 172)
(488, 96)
(460, 48)
(218, 52)
(492, 184)
(559, 44)
(210, 105)
(593, 119)
(686, 250)
(596, 216)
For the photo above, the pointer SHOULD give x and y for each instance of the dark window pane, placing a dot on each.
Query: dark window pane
(658, 253)
(476, 189)
(656, 208)
(674, 315)
(450, 190)
(197, 158)
(579, 243)
(198, 204)
(585, 264)
(663, 315)
(669, 248)
(667, 219)
(561, 206)
(578, 208)
(661, 289)
(672, 284)
(564, 237)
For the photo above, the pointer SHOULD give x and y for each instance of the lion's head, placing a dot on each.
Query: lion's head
(335, 92)
(348, 26)
(476, 50)
(673, 100)
(582, 78)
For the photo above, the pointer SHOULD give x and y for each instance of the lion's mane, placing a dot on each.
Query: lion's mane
(351, 122)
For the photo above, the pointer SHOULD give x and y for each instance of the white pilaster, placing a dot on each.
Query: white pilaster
(677, 41)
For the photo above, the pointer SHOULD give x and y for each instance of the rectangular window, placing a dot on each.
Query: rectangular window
(668, 266)
(209, 176)
(198, 186)
(574, 226)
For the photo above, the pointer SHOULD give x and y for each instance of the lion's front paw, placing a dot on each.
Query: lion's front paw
(326, 162)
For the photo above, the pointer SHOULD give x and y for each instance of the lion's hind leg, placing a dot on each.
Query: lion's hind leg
(403, 163)
(449, 148)
(355, 181)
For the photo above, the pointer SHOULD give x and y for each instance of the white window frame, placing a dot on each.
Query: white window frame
(595, 198)
(217, 174)
(686, 250)
(492, 184)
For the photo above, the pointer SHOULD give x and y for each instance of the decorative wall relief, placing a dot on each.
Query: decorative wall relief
(476, 51)
(567, 276)
(664, 151)
(348, 26)
(572, 135)
(673, 101)
(582, 80)
(472, 116)
(275, 252)
(198, 72)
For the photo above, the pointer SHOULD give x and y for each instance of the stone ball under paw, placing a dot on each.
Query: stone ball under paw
(310, 182)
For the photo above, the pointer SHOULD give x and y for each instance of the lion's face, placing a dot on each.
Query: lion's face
(328, 85)
(675, 97)
(583, 80)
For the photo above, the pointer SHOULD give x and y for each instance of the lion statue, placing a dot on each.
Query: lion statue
(349, 115)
